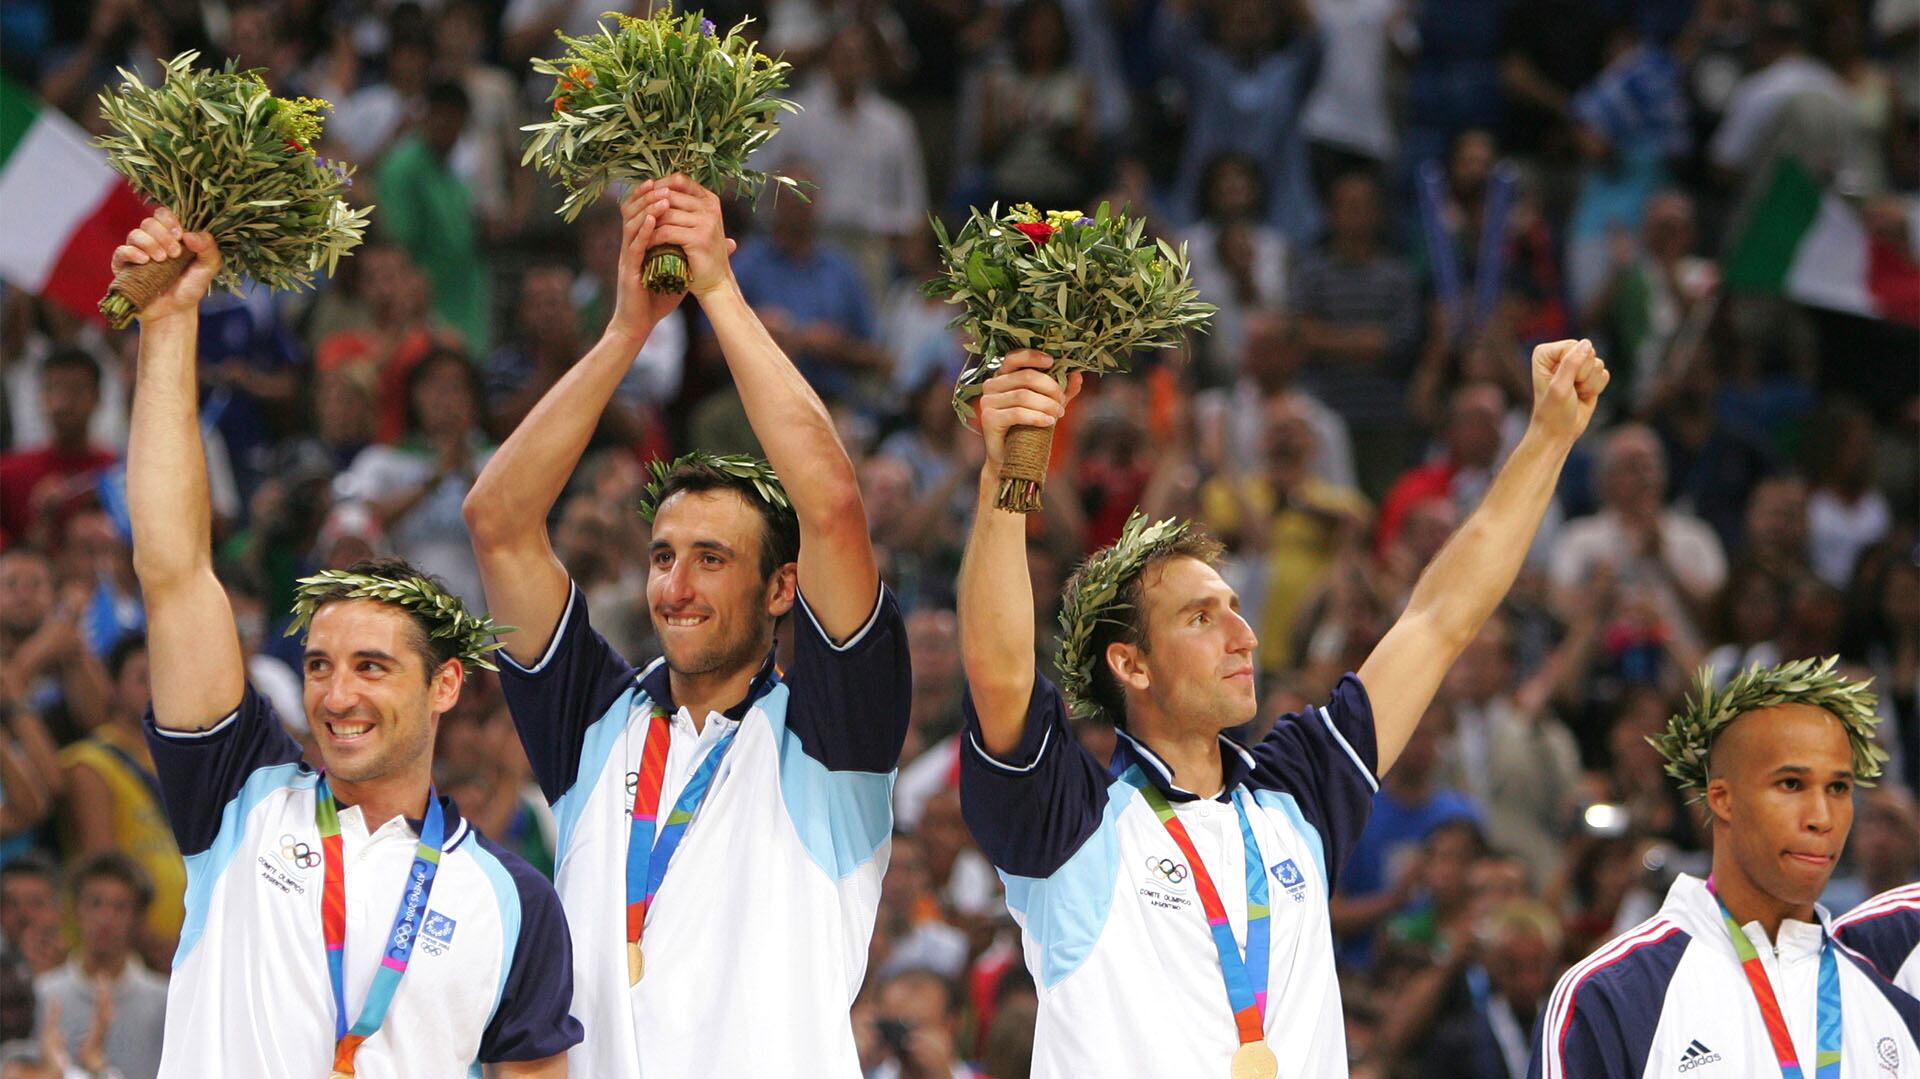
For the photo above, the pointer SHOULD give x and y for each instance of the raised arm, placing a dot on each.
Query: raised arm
(198, 671)
(1473, 572)
(838, 574)
(996, 596)
(506, 511)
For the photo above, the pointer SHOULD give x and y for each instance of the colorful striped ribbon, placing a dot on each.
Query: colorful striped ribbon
(1827, 1018)
(1246, 977)
(406, 922)
(647, 857)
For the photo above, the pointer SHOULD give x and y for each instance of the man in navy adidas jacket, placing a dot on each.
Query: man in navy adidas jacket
(1740, 974)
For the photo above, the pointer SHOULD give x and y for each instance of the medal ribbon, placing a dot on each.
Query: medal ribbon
(1246, 977)
(406, 922)
(1827, 1018)
(647, 857)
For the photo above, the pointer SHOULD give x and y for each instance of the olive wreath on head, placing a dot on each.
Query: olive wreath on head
(446, 616)
(1094, 598)
(754, 470)
(1690, 734)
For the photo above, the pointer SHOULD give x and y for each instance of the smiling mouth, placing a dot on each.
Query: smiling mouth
(347, 732)
(682, 621)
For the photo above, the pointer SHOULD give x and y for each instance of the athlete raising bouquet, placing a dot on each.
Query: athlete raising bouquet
(344, 922)
(1175, 912)
(723, 824)
(1740, 974)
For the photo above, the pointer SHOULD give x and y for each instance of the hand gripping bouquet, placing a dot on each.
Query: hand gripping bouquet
(231, 159)
(646, 98)
(1087, 291)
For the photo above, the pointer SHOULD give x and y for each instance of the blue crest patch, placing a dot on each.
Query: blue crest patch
(439, 927)
(1288, 874)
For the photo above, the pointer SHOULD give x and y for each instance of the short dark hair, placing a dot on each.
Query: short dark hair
(434, 651)
(113, 865)
(32, 863)
(123, 650)
(444, 94)
(438, 356)
(1130, 627)
(780, 528)
(72, 359)
(950, 993)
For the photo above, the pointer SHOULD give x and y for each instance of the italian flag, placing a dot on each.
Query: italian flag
(62, 209)
(1812, 246)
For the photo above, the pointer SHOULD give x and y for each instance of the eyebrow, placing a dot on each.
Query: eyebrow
(698, 545)
(1202, 602)
(363, 653)
(1804, 770)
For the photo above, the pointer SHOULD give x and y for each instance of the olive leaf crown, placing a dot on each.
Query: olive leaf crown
(738, 466)
(447, 618)
(1690, 734)
(1093, 598)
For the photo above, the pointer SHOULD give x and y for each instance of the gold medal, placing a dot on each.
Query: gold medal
(341, 1075)
(636, 962)
(1255, 1061)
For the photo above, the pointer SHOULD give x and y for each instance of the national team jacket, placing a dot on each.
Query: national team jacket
(1886, 931)
(1669, 999)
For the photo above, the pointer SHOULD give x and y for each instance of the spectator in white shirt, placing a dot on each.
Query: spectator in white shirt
(864, 153)
(1635, 533)
(110, 898)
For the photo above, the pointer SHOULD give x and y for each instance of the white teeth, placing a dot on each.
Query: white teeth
(342, 730)
(683, 621)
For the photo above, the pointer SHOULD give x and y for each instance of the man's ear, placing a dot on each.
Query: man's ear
(1127, 663)
(782, 589)
(1720, 799)
(444, 692)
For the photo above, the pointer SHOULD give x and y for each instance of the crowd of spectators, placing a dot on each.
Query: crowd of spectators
(1390, 201)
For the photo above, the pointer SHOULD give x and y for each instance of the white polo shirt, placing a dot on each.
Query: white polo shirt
(756, 942)
(1669, 998)
(491, 975)
(1886, 931)
(1128, 976)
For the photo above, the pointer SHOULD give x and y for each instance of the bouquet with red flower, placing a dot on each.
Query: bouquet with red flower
(1087, 291)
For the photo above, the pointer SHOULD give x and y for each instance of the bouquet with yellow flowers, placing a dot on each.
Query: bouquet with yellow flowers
(1087, 291)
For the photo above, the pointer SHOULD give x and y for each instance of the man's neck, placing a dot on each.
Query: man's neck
(95, 966)
(1192, 755)
(1745, 900)
(381, 800)
(704, 694)
(69, 447)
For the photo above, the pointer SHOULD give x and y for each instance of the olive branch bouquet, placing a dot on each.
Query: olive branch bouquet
(1087, 291)
(229, 158)
(644, 98)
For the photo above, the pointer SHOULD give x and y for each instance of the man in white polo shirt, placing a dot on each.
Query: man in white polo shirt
(1740, 974)
(1174, 911)
(344, 922)
(1886, 930)
(723, 825)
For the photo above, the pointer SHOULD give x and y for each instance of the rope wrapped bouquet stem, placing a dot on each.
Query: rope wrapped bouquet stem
(1088, 291)
(645, 98)
(229, 158)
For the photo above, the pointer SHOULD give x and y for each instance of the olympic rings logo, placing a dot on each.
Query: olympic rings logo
(297, 852)
(1166, 869)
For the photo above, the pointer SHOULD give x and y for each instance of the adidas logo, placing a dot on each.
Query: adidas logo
(1697, 1054)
